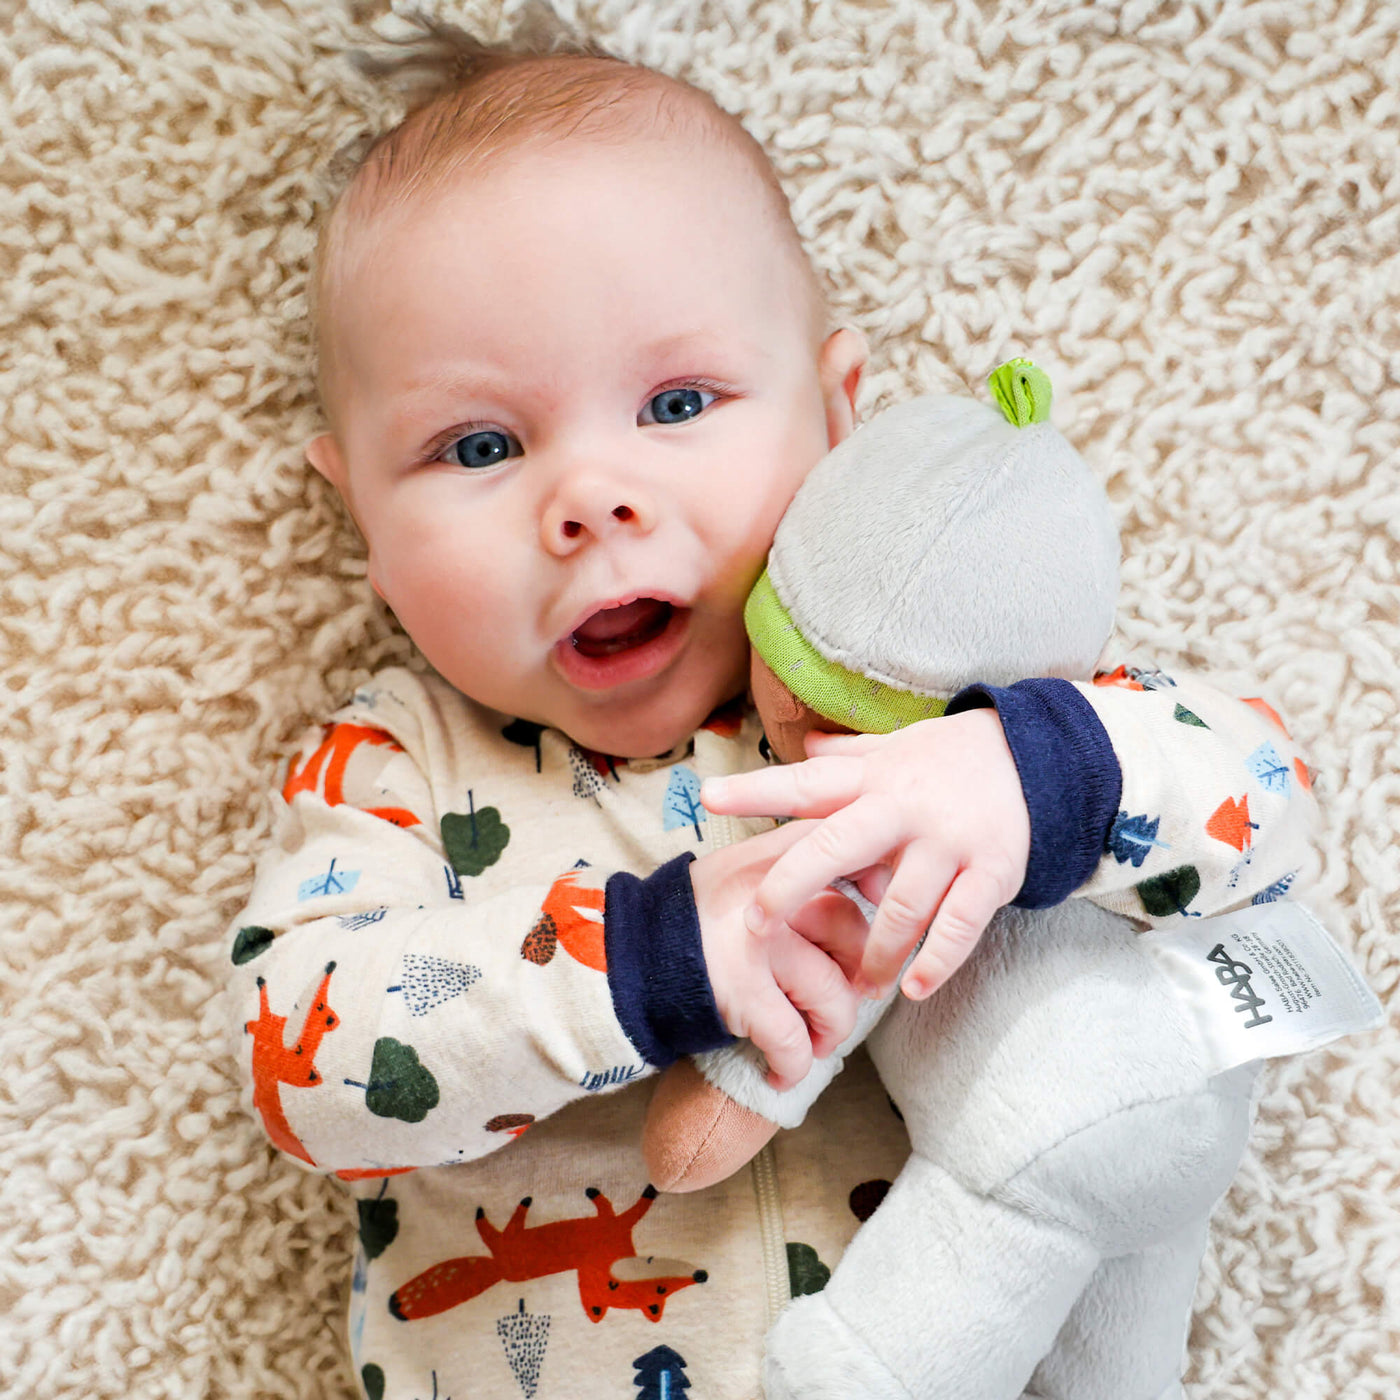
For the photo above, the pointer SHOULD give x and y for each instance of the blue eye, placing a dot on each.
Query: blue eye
(482, 449)
(676, 405)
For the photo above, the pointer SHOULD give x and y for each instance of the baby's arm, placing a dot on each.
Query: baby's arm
(1157, 802)
(1215, 808)
(400, 1002)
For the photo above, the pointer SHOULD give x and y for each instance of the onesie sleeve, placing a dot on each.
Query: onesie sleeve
(1162, 799)
(414, 982)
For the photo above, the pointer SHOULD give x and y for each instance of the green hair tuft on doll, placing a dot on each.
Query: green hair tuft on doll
(1023, 392)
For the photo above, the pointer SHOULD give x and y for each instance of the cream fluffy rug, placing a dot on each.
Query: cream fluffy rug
(1190, 213)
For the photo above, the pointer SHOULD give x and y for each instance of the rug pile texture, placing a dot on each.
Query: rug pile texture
(1188, 212)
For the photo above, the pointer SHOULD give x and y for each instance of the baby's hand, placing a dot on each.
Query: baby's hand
(782, 991)
(929, 821)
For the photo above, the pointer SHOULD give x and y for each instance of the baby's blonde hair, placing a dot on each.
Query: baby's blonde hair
(467, 102)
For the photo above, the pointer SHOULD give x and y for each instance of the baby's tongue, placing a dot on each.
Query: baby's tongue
(615, 629)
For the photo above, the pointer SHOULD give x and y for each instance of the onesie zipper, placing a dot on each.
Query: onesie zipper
(725, 831)
(771, 1235)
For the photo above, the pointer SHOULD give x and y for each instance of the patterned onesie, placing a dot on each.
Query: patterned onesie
(468, 937)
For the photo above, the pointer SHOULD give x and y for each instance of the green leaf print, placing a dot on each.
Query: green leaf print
(379, 1224)
(251, 941)
(526, 733)
(806, 1272)
(1168, 894)
(399, 1085)
(473, 840)
(1184, 716)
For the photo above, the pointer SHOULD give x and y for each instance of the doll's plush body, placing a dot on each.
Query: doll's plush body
(1069, 1138)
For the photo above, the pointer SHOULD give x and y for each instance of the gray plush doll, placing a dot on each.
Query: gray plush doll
(1070, 1136)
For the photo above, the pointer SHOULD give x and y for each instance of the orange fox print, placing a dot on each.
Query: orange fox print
(1120, 677)
(334, 754)
(598, 1246)
(572, 918)
(276, 1063)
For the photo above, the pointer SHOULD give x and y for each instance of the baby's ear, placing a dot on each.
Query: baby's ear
(323, 454)
(840, 362)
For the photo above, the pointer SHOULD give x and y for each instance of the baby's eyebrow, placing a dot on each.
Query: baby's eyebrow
(423, 397)
(701, 344)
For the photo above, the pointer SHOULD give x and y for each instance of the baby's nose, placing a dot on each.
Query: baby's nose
(581, 511)
(572, 529)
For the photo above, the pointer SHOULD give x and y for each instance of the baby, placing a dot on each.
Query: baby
(574, 364)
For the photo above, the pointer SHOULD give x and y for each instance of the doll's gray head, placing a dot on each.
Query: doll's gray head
(939, 545)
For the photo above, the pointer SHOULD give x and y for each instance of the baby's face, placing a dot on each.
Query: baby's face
(575, 394)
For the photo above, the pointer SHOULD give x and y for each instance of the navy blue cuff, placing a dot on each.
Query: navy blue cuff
(656, 965)
(1069, 775)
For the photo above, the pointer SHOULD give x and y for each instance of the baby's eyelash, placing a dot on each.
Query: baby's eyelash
(444, 440)
(711, 386)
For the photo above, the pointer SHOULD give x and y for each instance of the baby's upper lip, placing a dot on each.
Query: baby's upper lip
(620, 600)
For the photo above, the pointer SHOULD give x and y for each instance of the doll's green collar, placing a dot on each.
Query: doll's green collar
(856, 701)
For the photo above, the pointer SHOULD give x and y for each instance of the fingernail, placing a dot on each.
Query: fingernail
(712, 790)
(914, 989)
(754, 920)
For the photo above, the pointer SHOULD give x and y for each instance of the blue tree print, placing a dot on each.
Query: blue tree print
(331, 881)
(682, 805)
(1278, 890)
(1269, 768)
(660, 1374)
(1131, 838)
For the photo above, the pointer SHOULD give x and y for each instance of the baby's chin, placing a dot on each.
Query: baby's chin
(655, 718)
(641, 736)
(649, 728)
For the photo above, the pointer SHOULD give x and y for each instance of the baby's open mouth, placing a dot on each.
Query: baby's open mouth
(611, 630)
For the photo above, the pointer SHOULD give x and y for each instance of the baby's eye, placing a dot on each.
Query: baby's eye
(676, 405)
(481, 449)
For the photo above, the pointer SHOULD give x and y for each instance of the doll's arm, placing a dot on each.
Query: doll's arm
(711, 1115)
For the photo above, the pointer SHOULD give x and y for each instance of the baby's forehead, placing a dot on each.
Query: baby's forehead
(530, 117)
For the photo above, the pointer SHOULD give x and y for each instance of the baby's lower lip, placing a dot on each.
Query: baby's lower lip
(634, 663)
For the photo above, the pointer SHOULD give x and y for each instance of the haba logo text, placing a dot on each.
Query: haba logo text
(1231, 972)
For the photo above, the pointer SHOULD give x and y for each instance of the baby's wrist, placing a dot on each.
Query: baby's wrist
(1070, 780)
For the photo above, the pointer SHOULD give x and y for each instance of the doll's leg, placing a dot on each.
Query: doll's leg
(1125, 1338)
(942, 1295)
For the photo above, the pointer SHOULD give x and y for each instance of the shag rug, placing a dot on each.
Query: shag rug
(1188, 212)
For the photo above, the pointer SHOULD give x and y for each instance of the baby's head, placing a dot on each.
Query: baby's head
(575, 364)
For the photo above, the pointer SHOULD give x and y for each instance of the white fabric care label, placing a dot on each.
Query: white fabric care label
(1264, 981)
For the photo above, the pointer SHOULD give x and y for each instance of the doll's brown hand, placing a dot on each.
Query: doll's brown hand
(938, 805)
(695, 1134)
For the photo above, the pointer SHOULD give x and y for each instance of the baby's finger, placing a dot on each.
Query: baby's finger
(815, 985)
(835, 925)
(872, 882)
(972, 899)
(919, 884)
(815, 788)
(818, 743)
(851, 839)
(776, 1027)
